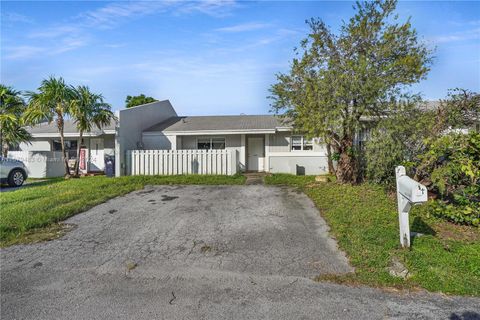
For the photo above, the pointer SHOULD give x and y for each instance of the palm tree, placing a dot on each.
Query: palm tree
(12, 107)
(88, 110)
(52, 102)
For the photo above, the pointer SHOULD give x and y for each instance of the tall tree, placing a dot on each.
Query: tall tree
(338, 80)
(12, 107)
(89, 110)
(132, 101)
(52, 102)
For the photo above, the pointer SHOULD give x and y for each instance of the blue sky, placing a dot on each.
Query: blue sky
(206, 57)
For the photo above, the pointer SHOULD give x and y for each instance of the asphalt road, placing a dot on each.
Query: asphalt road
(200, 252)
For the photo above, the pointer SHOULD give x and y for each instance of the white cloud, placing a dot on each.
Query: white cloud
(250, 26)
(55, 32)
(458, 36)
(115, 45)
(28, 51)
(15, 17)
(75, 33)
(115, 13)
(23, 52)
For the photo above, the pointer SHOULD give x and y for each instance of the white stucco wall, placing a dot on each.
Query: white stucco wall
(36, 144)
(40, 164)
(131, 123)
(312, 164)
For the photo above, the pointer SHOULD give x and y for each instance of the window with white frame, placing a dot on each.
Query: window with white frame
(210, 143)
(301, 143)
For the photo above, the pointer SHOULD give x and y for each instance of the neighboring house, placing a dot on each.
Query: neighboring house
(95, 145)
(261, 142)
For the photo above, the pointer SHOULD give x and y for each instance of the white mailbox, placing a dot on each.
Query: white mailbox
(409, 192)
(413, 191)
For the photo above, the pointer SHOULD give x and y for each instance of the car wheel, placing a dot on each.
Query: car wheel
(16, 178)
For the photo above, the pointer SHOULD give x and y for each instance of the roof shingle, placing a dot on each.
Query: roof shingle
(220, 123)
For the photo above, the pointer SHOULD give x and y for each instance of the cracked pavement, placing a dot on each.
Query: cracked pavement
(200, 252)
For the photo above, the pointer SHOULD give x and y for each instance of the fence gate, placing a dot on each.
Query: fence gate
(174, 162)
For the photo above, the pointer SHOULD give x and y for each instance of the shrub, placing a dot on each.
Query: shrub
(397, 140)
(452, 164)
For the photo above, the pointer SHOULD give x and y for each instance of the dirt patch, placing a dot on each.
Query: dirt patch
(449, 231)
(205, 249)
(51, 232)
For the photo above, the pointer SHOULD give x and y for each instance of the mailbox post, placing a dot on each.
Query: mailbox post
(409, 192)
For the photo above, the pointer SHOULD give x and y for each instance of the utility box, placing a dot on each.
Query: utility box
(110, 166)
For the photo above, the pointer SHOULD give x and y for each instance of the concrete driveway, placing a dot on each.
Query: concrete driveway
(200, 252)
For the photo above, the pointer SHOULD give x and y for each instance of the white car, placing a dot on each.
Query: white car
(12, 172)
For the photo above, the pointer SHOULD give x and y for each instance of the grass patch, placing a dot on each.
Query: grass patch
(30, 213)
(364, 221)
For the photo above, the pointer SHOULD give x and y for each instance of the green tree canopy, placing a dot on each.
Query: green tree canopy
(132, 101)
(52, 102)
(12, 107)
(89, 110)
(338, 80)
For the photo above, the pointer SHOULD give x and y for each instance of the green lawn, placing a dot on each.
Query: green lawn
(31, 213)
(364, 221)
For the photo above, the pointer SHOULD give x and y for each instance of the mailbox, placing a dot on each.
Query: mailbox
(413, 191)
(409, 192)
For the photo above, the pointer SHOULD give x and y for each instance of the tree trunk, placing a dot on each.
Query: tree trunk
(60, 124)
(5, 149)
(331, 169)
(3, 146)
(347, 167)
(77, 160)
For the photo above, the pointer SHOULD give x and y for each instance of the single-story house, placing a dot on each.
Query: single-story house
(261, 142)
(256, 142)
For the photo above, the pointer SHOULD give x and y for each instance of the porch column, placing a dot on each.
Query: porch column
(243, 162)
(267, 152)
(173, 142)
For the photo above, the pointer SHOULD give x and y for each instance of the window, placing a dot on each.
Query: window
(210, 143)
(70, 147)
(301, 143)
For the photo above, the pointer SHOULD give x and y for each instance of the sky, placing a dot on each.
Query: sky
(209, 57)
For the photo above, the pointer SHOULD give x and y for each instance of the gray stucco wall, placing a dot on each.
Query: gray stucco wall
(280, 142)
(158, 142)
(281, 158)
(109, 144)
(131, 123)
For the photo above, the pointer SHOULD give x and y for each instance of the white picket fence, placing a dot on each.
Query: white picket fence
(175, 162)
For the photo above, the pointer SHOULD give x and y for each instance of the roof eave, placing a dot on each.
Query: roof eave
(209, 132)
(71, 135)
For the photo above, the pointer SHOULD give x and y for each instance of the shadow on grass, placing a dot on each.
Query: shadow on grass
(34, 183)
(421, 226)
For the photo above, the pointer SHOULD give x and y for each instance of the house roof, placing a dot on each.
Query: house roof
(70, 129)
(219, 123)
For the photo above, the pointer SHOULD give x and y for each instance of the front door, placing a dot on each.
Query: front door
(97, 162)
(255, 151)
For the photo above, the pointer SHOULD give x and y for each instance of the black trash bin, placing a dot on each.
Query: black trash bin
(110, 166)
